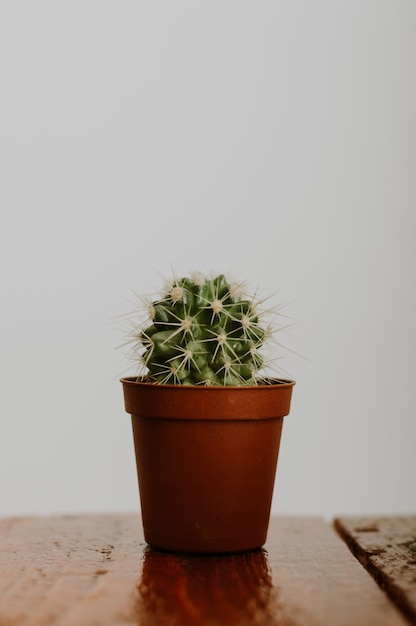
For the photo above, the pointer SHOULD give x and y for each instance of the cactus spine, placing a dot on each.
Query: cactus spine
(202, 331)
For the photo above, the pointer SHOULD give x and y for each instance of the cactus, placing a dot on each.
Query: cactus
(202, 331)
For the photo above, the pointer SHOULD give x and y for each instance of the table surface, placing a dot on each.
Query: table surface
(85, 570)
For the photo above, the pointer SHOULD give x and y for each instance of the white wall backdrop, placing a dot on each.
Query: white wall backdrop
(273, 140)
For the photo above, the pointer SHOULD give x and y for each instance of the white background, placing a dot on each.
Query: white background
(275, 141)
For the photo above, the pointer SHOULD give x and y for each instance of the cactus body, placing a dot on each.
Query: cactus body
(202, 332)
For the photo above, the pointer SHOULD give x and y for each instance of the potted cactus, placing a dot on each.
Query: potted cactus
(206, 421)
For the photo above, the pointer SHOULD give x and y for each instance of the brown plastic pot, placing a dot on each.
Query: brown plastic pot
(206, 462)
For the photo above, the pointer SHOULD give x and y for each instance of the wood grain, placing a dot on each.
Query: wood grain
(318, 582)
(96, 570)
(386, 547)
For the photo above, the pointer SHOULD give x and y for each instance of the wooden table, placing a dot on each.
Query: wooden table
(96, 570)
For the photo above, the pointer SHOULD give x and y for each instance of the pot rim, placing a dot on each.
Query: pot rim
(194, 402)
(265, 383)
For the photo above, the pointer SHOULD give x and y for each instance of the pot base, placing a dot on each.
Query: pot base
(214, 546)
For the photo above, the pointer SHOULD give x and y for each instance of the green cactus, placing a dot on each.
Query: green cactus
(202, 331)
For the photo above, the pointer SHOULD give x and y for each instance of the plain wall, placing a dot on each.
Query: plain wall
(275, 141)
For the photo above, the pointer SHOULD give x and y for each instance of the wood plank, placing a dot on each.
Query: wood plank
(96, 570)
(386, 547)
(318, 582)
